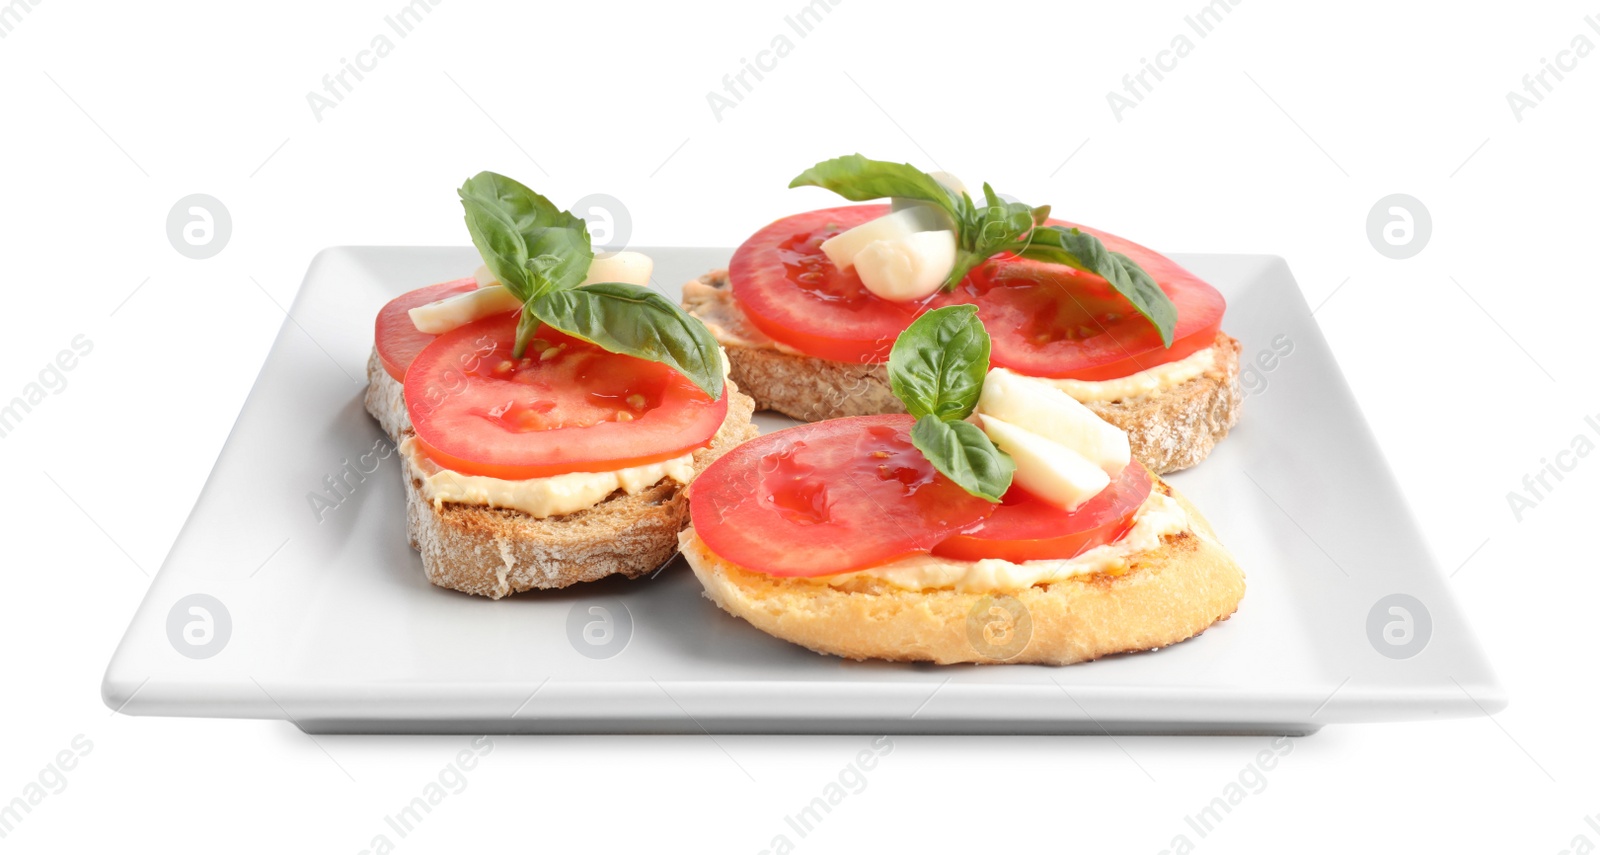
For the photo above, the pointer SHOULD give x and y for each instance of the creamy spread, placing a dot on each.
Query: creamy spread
(1160, 515)
(538, 497)
(729, 325)
(1157, 379)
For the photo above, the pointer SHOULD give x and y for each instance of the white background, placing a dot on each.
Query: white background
(1473, 361)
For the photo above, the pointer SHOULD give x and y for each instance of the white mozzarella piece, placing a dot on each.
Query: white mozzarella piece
(1047, 469)
(633, 268)
(442, 316)
(907, 268)
(1039, 406)
(843, 248)
(485, 277)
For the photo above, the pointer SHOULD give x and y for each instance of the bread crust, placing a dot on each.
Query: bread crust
(495, 552)
(1178, 427)
(1168, 430)
(386, 399)
(1162, 597)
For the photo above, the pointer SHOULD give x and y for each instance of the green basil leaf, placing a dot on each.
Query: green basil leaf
(997, 224)
(504, 251)
(638, 322)
(1074, 248)
(860, 180)
(937, 368)
(984, 231)
(965, 455)
(938, 363)
(496, 205)
(569, 247)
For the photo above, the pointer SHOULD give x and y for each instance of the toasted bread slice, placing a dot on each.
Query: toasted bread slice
(1168, 430)
(1160, 597)
(386, 399)
(497, 551)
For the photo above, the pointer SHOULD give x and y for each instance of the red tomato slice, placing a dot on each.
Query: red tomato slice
(828, 498)
(1045, 320)
(848, 494)
(567, 406)
(1048, 320)
(397, 338)
(791, 291)
(1025, 528)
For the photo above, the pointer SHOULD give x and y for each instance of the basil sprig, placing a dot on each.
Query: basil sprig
(983, 231)
(936, 369)
(526, 241)
(541, 253)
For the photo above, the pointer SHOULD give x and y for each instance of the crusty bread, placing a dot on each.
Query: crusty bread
(1168, 430)
(495, 551)
(1162, 597)
(1177, 428)
(386, 399)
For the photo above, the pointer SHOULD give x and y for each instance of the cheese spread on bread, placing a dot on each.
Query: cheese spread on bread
(1162, 377)
(538, 497)
(1159, 516)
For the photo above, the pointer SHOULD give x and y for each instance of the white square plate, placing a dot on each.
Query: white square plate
(319, 613)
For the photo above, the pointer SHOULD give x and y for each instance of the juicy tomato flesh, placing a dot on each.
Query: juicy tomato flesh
(848, 494)
(793, 293)
(565, 406)
(1025, 527)
(827, 497)
(397, 339)
(1046, 320)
